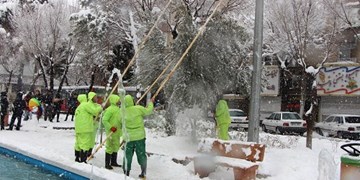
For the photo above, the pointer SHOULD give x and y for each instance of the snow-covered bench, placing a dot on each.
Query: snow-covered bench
(243, 157)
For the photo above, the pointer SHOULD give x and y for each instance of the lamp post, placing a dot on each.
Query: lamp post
(253, 132)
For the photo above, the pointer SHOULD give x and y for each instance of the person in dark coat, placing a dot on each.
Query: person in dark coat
(19, 107)
(57, 107)
(27, 98)
(4, 106)
(72, 104)
(48, 106)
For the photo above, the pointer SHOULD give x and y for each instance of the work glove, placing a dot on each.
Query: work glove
(113, 129)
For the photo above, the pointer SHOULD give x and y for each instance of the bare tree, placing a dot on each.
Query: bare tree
(46, 38)
(347, 12)
(10, 54)
(302, 33)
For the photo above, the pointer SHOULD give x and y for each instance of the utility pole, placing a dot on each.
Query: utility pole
(253, 132)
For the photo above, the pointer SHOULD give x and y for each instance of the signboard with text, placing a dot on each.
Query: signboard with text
(270, 81)
(343, 80)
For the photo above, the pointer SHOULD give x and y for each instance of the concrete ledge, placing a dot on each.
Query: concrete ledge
(57, 168)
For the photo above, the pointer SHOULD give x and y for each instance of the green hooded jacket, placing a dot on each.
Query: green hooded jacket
(111, 117)
(222, 114)
(134, 121)
(84, 115)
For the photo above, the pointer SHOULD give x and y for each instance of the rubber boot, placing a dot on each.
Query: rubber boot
(77, 156)
(127, 173)
(143, 171)
(107, 161)
(83, 156)
(114, 159)
(89, 152)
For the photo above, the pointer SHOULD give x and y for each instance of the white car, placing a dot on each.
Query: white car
(281, 122)
(239, 119)
(340, 125)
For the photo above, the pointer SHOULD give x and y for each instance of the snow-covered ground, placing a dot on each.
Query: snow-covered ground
(285, 156)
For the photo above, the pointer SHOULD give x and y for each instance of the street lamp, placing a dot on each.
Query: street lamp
(253, 131)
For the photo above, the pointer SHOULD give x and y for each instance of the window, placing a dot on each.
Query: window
(329, 119)
(277, 117)
(352, 119)
(291, 116)
(337, 120)
(237, 113)
(271, 117)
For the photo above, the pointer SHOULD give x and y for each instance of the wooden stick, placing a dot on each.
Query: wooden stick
(136, 54)
(202, 29)
(99, 147)
(156, 80)
(146, 38)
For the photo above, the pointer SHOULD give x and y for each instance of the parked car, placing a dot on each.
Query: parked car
(239, 119)
(284, 122)
(340, 125)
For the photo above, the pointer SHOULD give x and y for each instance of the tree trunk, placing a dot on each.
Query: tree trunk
(62, 80)
(52, 76)
(32, 86)
(20, 79)
(92, 81)
(9, 82)
(43, 73)
(310, 119)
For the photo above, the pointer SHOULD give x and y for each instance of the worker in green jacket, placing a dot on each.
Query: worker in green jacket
(92, 101)
(81, 98)
(84, 126)
(223, 120)
(112, 123)
(134, 134)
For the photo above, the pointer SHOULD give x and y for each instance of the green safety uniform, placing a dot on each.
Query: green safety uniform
(111, 118)
(134, 134)
(84, 125)
(97, 107)
(82, 99)
(223, 120)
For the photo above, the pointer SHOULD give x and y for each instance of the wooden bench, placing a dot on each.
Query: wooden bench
(243, 157)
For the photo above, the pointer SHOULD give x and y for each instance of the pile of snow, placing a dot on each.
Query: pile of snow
(286, 157)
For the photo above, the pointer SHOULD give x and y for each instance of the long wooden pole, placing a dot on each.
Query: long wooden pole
(127, 68)
(153, 84)
(140, 47)
(201, 30)
(99, 147)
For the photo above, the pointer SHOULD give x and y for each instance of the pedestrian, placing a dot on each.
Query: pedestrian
(40, 109)
(3, 108)
(84, 126)
(134, 134)
(223, 119)
(92, 101)
(19, 106)
(57, 107)
(48, 106)
(71, 103)
(112, 123)
(27, 98)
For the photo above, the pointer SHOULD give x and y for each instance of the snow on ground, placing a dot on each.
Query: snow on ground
(285, 156)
